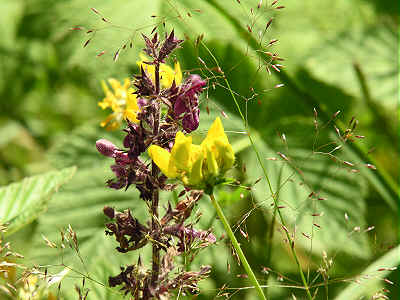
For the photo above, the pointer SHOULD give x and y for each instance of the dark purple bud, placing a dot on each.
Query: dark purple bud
(116, 185)
(134, 140)
(106, 148)
(170, 44)
(144, 85)
(109, 212)
(180, 106)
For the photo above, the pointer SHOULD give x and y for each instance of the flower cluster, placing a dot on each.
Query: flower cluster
(160, 107)
(197, 166)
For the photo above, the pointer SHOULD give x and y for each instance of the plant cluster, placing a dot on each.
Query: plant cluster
(159, 110)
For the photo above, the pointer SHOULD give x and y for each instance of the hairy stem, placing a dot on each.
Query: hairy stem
(238, 250)
(157, 78)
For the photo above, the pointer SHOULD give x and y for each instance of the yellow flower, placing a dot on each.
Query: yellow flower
(122, 102)
(197, 166)
(167, 74)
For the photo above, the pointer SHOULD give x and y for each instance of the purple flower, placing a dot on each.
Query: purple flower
(128, 168)
(187, 103)
(108, 149)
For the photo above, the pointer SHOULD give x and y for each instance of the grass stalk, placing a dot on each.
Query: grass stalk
(274, 195)
(236, 245)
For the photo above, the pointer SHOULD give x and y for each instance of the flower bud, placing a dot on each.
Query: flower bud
(106, 148)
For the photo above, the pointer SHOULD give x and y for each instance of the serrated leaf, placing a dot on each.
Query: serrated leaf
(23, 202)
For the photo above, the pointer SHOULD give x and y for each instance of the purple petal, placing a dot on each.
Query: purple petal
(179, 106)
(190, 121)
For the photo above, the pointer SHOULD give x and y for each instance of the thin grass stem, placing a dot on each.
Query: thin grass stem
(274, 195)
(236, 245)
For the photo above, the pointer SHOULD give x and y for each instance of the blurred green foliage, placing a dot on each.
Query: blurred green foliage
(339, 55)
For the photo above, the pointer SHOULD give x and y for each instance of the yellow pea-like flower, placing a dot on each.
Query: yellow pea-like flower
(197, 166)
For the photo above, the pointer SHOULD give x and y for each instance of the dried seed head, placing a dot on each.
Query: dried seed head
(95, 11)
(116, 55)
(86, 43)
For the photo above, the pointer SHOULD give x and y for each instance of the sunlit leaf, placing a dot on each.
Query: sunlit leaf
(23, 202)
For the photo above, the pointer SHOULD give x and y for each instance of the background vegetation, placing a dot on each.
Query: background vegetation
(339, 55)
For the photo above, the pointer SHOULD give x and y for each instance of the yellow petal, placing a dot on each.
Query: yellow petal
(161, 157)
(180, 153)
(216, 132)
(110, 123)
(115, 84)
(127, 84)
(167, 75)
(106, 120)
(131, 100)
(103, 104)
(195, 152)
(196, 174)
(212, 164)
(226, 156)
(106, 90)
(130, 114)
(178, 73)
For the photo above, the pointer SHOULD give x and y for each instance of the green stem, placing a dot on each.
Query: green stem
(272, 229)
(236, 245)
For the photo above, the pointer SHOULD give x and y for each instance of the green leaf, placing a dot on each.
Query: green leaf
(372, 49)
(23, 202)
